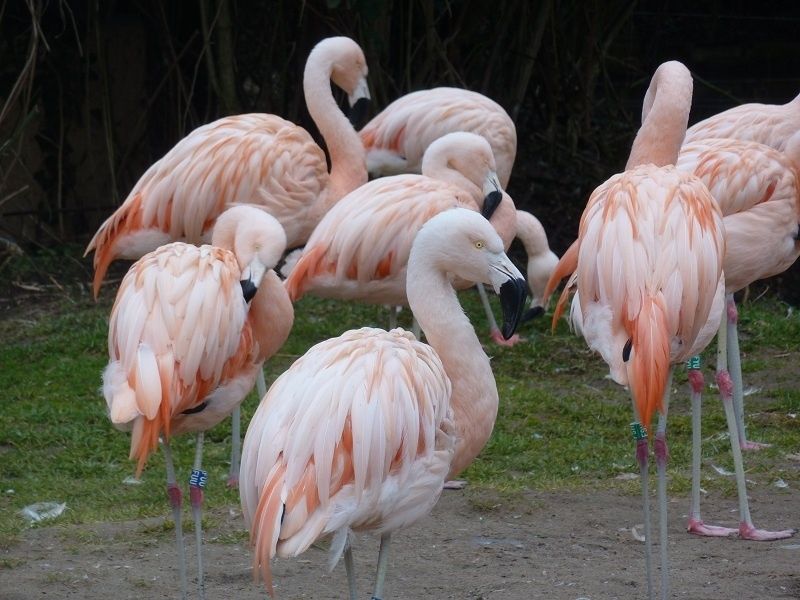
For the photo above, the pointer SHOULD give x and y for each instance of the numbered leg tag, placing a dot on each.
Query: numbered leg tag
(693, 363)
(198, 478)
(639, 431)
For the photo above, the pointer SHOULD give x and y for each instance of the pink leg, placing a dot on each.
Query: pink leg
(747, 531)
(696, 525)
(735, 370)
(176, 500)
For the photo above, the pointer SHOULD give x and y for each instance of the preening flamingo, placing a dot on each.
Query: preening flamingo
(541, 260)
(758, 191)
(648, 267)
(396, 139)
(251, 158)
(360, 249)
(361, 432)
(770, 124)
(189, 331)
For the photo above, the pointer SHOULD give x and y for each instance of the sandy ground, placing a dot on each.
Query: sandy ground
(474, 545)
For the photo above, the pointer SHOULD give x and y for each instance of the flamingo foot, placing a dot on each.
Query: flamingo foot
(455, 484)
(498, 339)
(753, 446)
(697, 527)
(749, 532)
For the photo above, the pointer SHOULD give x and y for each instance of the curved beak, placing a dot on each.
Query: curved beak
(251, 278)
(512, 288)
(532, 313)
(493, 195)
(361, 92)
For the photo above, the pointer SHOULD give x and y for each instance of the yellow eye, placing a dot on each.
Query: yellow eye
(479, 245)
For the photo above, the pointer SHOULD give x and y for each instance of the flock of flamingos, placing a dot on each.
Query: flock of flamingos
(364, 430)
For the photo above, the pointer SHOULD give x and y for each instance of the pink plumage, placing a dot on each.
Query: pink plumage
(252, 158)
(396, 139)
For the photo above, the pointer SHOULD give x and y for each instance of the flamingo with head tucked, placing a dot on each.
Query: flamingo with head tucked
(648, 269)
(190, 330)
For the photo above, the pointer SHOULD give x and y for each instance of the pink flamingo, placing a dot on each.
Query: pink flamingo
(361, 432)
(396, 139)
(648, 267)
(189, 331)
(769, 124)
(251, 158)
(360, 249)
(774, 126)
(758, 191)
(541, 260)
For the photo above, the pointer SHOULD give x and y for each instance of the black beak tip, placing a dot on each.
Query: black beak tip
(248, 289)
(532, 313)
(490, 204)
(358, 113)
(512, 300)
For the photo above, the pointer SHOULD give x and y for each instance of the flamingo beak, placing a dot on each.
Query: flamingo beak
(359, 103)
(493, 195)
(251, 278)
(512, 288)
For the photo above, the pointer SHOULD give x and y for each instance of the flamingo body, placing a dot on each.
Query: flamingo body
(252, 158)
(182, 337)
(361, 432)
(396, 139)
(758, 191)
(769, 124)
(361, 247)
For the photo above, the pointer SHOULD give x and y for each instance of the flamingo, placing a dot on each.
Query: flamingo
(774, 126)
(189, 331)
(541, 260)
(648, 268)
(360, 249)
(361, 432)
(252, 158)
(758, 191)
(769, 124)
(396, 139)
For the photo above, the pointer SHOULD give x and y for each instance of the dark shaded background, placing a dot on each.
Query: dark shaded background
(93, 92)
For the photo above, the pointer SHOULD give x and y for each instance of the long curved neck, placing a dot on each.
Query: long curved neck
(271, 315)
(474, 397)
(664, 117)
(348, 159)
(531, 233)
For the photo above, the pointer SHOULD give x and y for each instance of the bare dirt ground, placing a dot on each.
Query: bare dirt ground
(475, 545)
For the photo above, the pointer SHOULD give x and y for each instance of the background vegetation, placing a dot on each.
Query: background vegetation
(92, 92)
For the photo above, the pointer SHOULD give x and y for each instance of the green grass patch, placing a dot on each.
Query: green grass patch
(561, 423)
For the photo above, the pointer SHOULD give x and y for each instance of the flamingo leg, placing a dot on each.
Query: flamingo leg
(640, 435)
(175, 500)
(662, 454)
(415, 328)
(197, 482)
(383, 563)
(494, 330)
(696, 525)
(735, 366)
(351, 571)
(394, 311)
(747, 530)
(236, 432)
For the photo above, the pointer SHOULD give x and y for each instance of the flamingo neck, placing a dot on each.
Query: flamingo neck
(665, 115)
(474, 399)
(436, 168)
(531, 233)
(347, 157)
(271, 316)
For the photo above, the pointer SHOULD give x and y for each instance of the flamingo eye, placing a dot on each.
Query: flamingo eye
(479, 244)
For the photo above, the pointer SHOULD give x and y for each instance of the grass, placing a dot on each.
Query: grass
(562, 425)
